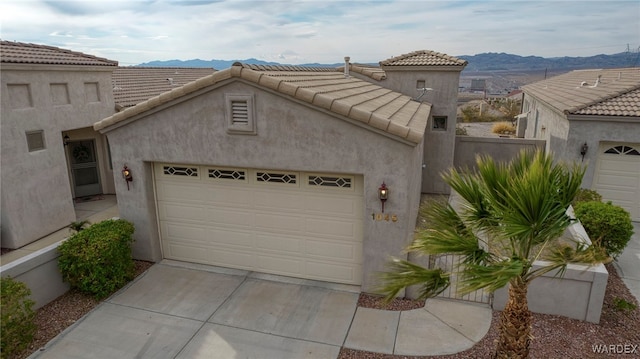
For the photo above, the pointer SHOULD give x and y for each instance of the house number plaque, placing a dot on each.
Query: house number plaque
(384, 217)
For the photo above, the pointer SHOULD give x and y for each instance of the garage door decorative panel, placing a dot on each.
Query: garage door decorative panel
(617, 176)
(306, 225)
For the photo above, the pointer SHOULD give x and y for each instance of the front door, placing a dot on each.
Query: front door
(84, 168)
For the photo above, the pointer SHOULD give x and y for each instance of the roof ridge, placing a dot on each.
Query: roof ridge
(58, 49)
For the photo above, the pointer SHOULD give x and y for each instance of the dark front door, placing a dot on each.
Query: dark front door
(84, 168)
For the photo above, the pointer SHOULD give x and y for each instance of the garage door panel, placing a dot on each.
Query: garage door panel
(335, 250)
(280, 265)
(175, 212)
(177, 192)
(334, 228)
(334, 205)
(332, 271)
(280, 243)
(617, 180)
(266, 200)
(283, 224)
(278, 222)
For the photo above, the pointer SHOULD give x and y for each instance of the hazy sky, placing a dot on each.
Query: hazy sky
(293, 32)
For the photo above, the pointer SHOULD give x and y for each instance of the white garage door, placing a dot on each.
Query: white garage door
(617, 176)
(299, 224)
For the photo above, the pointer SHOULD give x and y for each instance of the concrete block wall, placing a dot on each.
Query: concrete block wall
(578, 294)
(39, 271)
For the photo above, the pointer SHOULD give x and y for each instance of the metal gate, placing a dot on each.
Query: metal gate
(449, 263)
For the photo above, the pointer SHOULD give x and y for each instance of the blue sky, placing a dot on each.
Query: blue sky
(294, 32)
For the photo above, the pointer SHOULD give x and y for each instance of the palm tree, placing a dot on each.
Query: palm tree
(512, 215)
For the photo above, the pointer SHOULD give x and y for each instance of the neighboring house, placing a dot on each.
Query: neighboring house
(50, 153)
(592, 116)
(278, 169)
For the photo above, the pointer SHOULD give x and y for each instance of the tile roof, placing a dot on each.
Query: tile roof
(356, 100)
(23, 53)
(373, 72)
(424, 58)
(617, 92)
(132, 85)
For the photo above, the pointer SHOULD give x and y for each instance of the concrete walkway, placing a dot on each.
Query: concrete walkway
(182, 310)
(628, 263)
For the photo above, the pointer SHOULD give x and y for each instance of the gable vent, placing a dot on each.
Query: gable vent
(239, 113)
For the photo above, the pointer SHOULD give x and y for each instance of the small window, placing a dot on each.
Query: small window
(240, 115)
(35, 140)
(330, 181)
(227, 174)
(623, 150)
(273, 177)
(440, 123)
(420, 84)
(180, 171)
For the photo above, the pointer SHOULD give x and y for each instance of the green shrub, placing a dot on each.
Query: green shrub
(17, 323)
(624, 306)
(586, 195)
(98, 260)
(608, 225)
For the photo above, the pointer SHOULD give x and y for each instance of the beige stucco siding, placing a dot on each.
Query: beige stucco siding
(36, 195)
(290, 135)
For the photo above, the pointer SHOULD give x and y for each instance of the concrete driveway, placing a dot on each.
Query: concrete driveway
(179, 310)
(628, 263)
(184, 310)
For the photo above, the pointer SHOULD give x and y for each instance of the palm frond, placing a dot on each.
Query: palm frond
(490, 277)
(402, 274)
(561, 255)
(447, 233)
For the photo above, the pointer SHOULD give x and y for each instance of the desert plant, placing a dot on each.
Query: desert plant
(77, 226)
(503, 128)
(18, 326)
(586, 195)
(461, 131)
(623, 305)
(607, 225)
(98, 260)
(512, 214)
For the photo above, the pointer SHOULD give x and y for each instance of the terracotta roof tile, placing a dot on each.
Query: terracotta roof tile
(617, 92)
(350, 97)
(424, 58)
(132, 85)
(23, 53)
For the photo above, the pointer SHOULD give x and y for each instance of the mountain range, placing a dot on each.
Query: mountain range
(481, 62)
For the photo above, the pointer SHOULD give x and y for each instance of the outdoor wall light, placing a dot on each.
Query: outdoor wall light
(583, 150)
(126, 174)
(66, 139)
(383, 194)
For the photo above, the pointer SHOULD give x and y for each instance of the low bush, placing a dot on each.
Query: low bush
(586, 195)
(17, 323)
(608, 225)
(98, 260)
(503, 128)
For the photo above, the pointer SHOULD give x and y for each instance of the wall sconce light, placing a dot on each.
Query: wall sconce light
(583, 150)
(66, 139)
(383, 194)
(126, 174)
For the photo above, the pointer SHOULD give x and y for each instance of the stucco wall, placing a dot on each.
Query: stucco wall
(290, 135)
(36, 195)
(500, 149)
(438, 144)
(565, 134)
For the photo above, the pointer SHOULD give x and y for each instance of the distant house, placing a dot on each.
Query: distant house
(592, 116)
(279, 169)
(50, 153)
